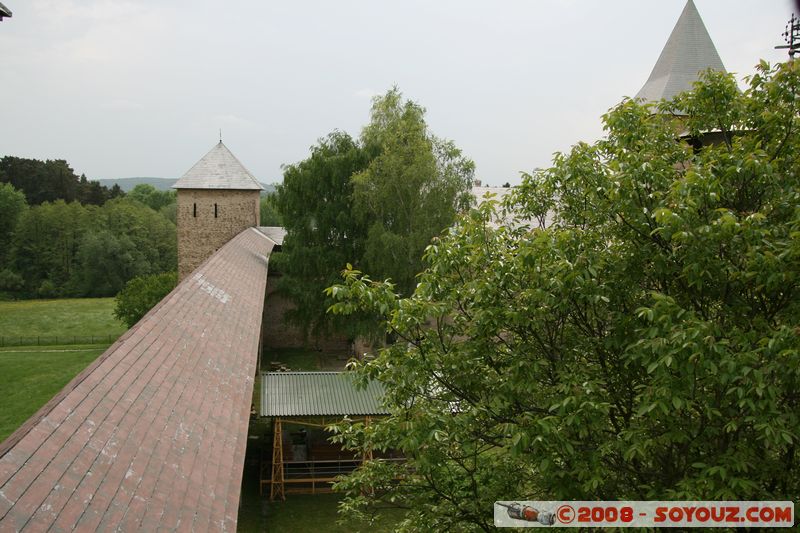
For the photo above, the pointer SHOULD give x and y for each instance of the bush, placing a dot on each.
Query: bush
(11, 281)
(141, 294)
(47, 289)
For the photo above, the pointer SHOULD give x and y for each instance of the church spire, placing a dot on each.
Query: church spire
(688, 52)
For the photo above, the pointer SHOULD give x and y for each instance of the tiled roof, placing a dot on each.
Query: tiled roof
(218, 169)
(152, 435)
(275, 233)
(318, 394)
(688, 52)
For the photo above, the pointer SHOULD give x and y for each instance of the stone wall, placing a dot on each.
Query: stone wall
(200, 232)
(277, 334)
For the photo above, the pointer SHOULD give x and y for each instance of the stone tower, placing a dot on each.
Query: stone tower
(217, 199)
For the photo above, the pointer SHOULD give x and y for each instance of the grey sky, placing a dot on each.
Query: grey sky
(140, 88)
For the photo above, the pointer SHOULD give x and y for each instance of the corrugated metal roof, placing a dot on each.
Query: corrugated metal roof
(318, 394)
(689, 51)
(152, 435)
(218, 169)
(274, 233)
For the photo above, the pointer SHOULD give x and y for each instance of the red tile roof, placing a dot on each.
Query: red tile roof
(152, 434)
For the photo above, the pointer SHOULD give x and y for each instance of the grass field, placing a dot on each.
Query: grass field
(30, 376)
(60, 318)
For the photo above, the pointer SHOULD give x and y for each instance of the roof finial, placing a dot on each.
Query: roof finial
(792, 36)
(220, 135)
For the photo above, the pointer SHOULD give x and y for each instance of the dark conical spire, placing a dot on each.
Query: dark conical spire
(688, 52)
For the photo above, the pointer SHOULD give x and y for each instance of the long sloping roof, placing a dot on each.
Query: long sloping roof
(274, 233)
(318, 394)
(152, 435)
(218, 169)
(688, 52)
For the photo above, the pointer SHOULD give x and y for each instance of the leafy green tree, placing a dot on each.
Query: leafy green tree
(107, 262)
(116, 191)
(316, 203)
(375, 202)
(51, 180)
(151, 233)
(11, 281)
(270, 216)
(152, 197)
(89, 250)
(411, 190)
(91, 192)
(12, 205)
(170, 212)
(46, 242)
(142, 294)
(642, 346)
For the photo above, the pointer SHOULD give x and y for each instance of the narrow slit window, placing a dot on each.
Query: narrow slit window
(194, 210)
(215, 210)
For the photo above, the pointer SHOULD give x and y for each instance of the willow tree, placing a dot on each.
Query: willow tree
(374, 202)
(644, 345)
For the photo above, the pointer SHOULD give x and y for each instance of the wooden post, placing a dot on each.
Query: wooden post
(368, 451)
(276, 487)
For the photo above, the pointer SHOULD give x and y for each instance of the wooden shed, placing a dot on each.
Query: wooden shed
(305, 461)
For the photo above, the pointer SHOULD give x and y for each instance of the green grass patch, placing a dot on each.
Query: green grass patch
(302, 513)
(59, 321)
(31, 375)
(305, 513)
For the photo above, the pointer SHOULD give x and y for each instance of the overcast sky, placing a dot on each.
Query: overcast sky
(140, 88)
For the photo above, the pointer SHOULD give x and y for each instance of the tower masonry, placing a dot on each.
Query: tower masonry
(217, 199)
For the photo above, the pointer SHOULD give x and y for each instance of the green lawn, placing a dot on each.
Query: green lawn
(31, 375)
(59, 321)
(303, 513)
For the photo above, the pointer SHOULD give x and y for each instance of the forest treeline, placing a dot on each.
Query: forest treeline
(63, 235)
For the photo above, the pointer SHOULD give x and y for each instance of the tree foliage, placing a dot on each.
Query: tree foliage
(152, 197)
(316, 204)
(645, 345)
(141, 294)
(12, 205)
(51, 180)
(270, 216)
(410, 191)
(68, 249)
(374, 202)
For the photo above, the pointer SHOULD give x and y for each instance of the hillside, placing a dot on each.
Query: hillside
(161, 184)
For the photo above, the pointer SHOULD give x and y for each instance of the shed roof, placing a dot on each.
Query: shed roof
(152, 435)
(218, 169)
(688, 52)
(318, 394)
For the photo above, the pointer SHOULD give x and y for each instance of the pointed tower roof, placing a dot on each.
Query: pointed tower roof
(689, 51)
(218, 169)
